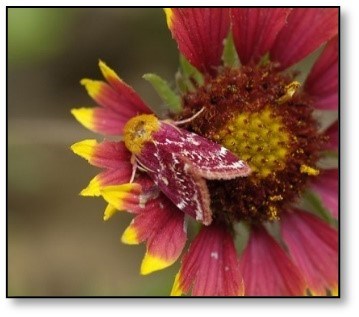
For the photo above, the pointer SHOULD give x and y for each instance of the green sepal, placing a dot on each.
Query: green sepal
(169, 97)
(188, 77)
(242, 230)
(328, 160)
(265, 60)
(230, 57)
(310, 201)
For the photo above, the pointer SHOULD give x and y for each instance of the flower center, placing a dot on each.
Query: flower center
(261, 116)
(259, 138)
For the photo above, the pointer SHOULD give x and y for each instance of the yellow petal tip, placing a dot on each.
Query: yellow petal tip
(84, 148)
(152, 263)
(176, 289)
(85, 116)
(130, 236)
(169, 15)
(109, 212)
(93, 188)
(93, 87)
(334, 291)
(116, 195)
(107, 72)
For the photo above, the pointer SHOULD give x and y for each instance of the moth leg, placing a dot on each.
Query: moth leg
(134, 167)
(142, 167)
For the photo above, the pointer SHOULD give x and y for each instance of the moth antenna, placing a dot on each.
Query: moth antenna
(189, 119)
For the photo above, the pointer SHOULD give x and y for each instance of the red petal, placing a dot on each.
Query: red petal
(108, 154)
(115, 176)
(162, 225)
(122, 197)
(108, 122)
(119, 101)
(322, 82)
(332, 132)
(125, 93)
(210, 267)
(314, 248)
(107, 178)
(326, 186)
(267, 270)
(111, 155)
(101, 120)
(114, 99)
(199, 34)
(254, 31)
(306, 30)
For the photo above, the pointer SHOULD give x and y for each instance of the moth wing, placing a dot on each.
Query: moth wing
(187, 190)
(179, 161)
(211, 160)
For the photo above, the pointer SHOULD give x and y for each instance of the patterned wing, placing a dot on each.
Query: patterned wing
(179, 162)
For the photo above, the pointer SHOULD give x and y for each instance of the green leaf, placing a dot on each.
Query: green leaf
(230, 56)
(188, 76)
(169, 97)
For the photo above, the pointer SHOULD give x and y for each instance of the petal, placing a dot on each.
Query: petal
(255, 30)
(266, 268)
(199, 34)
(313, 246)
(162, 226)
(126, 93)
(106, 154)
(326, 186)
(109, 212)
(333, 136)
(322, 82)
(107, 97)
(107, 178)
(100, 120)
(210, 267)
(115, 95)
(305, 31)
(123, 197)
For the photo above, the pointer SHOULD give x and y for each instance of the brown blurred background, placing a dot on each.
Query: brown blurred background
(58, 244)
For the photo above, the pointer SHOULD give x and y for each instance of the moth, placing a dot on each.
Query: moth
(179, 162)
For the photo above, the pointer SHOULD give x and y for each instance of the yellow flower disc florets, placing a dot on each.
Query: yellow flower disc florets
(259, 138)
(262, 117)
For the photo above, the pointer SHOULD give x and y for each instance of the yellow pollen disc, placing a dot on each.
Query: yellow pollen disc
(259, 138)
(139, 130)
(305, 169)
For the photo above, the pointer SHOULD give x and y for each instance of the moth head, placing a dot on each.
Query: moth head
(139, 130)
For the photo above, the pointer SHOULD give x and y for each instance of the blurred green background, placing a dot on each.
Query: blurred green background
(58, 244)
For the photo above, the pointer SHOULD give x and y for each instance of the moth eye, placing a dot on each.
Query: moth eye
(139, 129)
